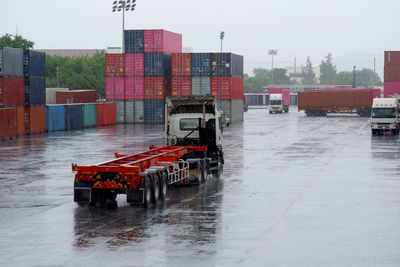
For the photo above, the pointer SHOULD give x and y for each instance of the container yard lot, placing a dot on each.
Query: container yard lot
(298, 191)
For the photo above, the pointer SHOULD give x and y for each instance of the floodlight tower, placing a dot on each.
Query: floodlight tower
(272, 53)
(221, 36)
(124, 5)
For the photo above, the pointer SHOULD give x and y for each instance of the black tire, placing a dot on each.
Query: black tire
(155, 189)
(147, 192)
(394, 132)
(201, 173)
(163, 186)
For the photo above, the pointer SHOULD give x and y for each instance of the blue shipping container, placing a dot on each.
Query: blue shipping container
(154, 111)
(134, 41)
(73, 116)
(35, 91)
(11, 62)
(157, 64)
(34, 63)
(226, 64)
(55, 118)
(201, 64)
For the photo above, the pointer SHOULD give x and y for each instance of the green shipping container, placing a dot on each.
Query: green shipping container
(89, 115)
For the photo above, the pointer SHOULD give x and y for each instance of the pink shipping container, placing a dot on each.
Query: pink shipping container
(115, 88)
(162, 41)
(134, 88)
(391, 73)
(134, 64)
(285, 94)
(110, 90)
(376, 92)
(391, 88)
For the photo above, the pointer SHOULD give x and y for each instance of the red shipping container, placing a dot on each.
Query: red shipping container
(35, 119)
(232, 87)
(391, 73)
(76, 96)
(134, 64)
(181, 63)
(181, 85)
(376, 92)
(162, 41)
(115, 65)
(392, 58)
(134, 88)
(8, 123)
(12, 92)
(106, 114)
(21, 121)
(391, 89)
(155, 88)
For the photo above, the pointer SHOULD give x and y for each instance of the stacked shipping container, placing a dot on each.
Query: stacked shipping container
(144, 78)
(149, 73)
(22, 92)
(392, 73)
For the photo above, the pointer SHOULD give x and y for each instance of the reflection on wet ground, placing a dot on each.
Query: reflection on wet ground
(296, 191)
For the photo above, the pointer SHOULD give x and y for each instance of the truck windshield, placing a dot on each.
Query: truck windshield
(383, 113)
(189, 124)
(275, 102)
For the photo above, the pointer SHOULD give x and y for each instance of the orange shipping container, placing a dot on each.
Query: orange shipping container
(21, 121)
(8, 123)
(35, 119)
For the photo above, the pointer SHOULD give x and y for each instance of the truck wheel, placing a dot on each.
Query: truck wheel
(394, 132)
(163, 186)
(147, 192)
(201, 173)
(155, 189)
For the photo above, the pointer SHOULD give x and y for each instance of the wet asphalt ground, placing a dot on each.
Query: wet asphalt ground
(296, 191)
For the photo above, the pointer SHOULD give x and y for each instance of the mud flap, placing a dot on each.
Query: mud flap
(82, 194)
(135, 196)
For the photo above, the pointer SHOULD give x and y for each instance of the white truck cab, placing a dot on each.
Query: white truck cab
(195, 121)
(385, 116)
(275, 103)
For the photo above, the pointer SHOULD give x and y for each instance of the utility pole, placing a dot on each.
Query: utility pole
(354, 77)
(58, 76)
(374, 64)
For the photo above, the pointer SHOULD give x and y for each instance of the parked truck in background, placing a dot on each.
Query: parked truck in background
(279, 100)
(193, 151)
(385, 116)
(320, 103)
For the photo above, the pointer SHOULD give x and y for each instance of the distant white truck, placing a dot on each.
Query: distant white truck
(385, 116)
(279, 100)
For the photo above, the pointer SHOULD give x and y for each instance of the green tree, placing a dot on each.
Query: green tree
(280, 76)
(308, 73)
(77, 72)
(262, 77)
(367, 78)
(328, 71)
(16, 41)
(344, 78)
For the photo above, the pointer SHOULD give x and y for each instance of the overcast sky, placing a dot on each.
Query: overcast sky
(354, 31)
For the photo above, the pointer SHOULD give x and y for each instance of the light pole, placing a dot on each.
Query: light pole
(272, 53)
(221, 36)
(124, 5)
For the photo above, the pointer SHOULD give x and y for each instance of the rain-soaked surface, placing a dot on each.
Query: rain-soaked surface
(296, 191)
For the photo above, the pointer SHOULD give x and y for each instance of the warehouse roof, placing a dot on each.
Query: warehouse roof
(70, 52)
